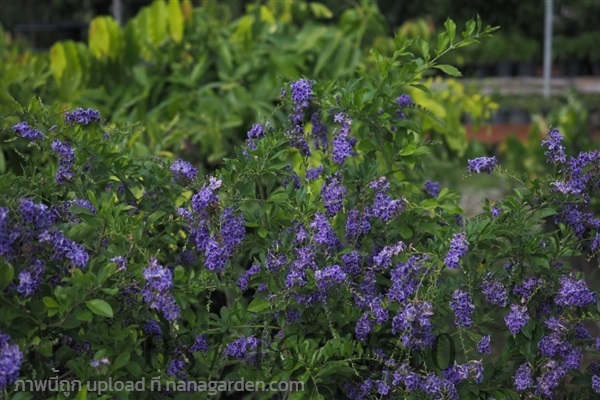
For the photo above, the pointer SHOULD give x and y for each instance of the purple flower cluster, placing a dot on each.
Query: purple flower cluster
(357, 224)
(10, 362)
(333, 193)
(256, 132)
(463, 308)
(65, 162)
(175, 367)
(200, 344)
(23, 129)
(406, 278)
(482, 164)
(319, 132)
(494, 292)
(31, 278)
(121, 263)
(364, 325)
(556, 151)
(183, 171)
(206, 196)
(522, 378)
(574, 293)
(64, 248)
(516, 318)
(432, 188)
(240, 348)
(414, 325)
(152, 328)
(244, 280)
(484, 345)
(528, 287)
(328, 276)
(301, 93)
(458, 248)
(159, 281)
(384, 207)
(383, 259)
(343, 144)
(404, 100)
(81, 116)
(314, 173)
(324, 233)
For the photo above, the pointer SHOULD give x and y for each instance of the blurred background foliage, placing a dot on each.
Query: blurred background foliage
(196, 78)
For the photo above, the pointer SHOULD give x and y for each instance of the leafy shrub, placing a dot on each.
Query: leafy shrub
(318, 254)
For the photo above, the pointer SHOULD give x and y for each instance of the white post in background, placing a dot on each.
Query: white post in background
(117, 11)
(548, 48)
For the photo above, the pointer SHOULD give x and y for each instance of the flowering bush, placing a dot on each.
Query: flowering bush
(319, 254)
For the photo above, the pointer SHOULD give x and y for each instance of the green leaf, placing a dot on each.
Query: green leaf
(451, 29)
(121, 361)
(7, 273)
(49, 302)
(175, 21)
(258, 305)
(100, 307)
(449, 69)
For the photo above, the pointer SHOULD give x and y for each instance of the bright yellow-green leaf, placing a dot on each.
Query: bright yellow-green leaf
(176, 22)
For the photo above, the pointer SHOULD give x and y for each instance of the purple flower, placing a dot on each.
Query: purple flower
(482, 164)
(364, 325)
(458, 248)
(325, 234)
(10, 362)
(233, 229)
(404, 100)
(240, 348)
(383, 259)
(183, 171)
(495, 211)
(432, 188)
(556, 151)
(357, 223)
(216, 256)
(319, 132)
(484, 345)
(326, 277)
(516, 318)
(257, 132)
(200, 344)
(98, 363)
(314, 173)
(66, 159)
(81, 116)
(152, 328)
(27, 132)
(333, 193)
(596, 383)
(30, 279)
(526, 289)
(573, 292)
(351, 262)
(244, 280)
(121, 263)
(494, 292)
(463, 308)
(301, 93)
(175, 367)
(414, 325)
(385, 208)
(522, 378)
(596, 242)
(158, 277)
